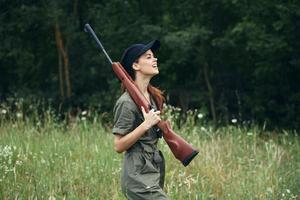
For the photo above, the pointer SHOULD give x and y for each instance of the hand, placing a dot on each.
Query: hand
(151, 118)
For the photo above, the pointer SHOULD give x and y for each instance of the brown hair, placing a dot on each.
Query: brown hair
(156, 93)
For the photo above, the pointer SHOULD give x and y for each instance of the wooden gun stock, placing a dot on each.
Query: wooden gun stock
(182, 150)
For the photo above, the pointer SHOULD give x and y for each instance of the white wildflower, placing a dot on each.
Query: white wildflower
(19, 115)
(178, 109)
(234, 121)
(200, 116)
(84, 112)
(83, 118)
(202, 128)
(181, 174)
(3, 111)
(19, 162)
(249, 133)
(269, 190)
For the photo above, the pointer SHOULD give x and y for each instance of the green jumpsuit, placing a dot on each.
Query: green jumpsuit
(143, 166)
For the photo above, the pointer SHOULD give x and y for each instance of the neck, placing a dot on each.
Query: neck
(142, 83)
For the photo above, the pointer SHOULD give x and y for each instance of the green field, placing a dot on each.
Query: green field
(48, 160)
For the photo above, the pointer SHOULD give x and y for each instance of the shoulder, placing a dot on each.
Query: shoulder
(125, 97)
(126, 115)
(125, 101)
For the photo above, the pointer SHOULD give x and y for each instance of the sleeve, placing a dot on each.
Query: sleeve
(124, 118)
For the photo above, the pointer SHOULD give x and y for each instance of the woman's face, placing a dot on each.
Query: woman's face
(146, 64)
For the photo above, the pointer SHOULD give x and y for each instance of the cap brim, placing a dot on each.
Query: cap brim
(153, 45)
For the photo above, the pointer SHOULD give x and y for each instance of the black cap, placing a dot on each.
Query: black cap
(136, 50)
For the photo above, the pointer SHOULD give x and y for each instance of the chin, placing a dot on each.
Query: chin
(156, 73)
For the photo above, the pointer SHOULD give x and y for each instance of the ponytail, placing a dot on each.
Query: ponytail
(157, 95)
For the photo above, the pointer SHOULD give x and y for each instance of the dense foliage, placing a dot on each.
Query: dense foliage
(229, 58)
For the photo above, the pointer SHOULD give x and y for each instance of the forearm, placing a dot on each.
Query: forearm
(122, 143)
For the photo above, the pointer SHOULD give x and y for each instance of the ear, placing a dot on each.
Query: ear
(136, 66)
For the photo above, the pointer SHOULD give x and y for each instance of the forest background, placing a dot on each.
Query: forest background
(230, 59)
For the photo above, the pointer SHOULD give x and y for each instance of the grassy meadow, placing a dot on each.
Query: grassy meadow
(45, 159)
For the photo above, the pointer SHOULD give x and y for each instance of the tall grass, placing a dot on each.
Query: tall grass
(46, 159)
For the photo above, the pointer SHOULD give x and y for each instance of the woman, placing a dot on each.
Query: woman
(135, 132)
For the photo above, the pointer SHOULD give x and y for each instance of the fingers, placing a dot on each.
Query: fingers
(143, 110)
(152, 117)
(151, 111)
(158, 119)
(157, 112)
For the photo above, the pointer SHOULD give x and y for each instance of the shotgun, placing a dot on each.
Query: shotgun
(182, 150)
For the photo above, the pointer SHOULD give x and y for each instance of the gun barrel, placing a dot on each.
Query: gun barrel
(88, 28)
